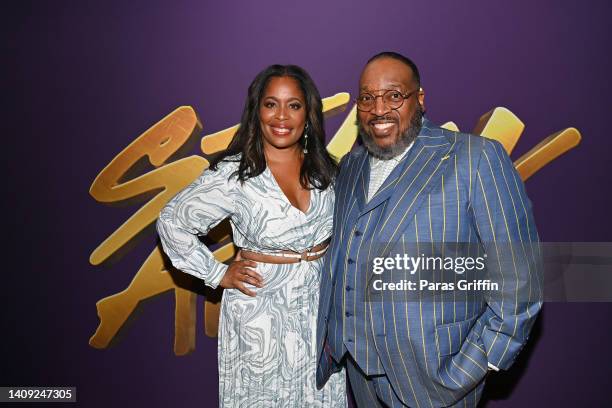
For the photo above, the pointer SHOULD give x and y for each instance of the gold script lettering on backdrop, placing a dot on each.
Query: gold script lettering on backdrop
(163, 145)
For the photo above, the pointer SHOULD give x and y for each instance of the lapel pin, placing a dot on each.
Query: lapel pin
(445, 157)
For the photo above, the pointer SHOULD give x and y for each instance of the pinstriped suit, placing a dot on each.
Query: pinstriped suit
(450, 187)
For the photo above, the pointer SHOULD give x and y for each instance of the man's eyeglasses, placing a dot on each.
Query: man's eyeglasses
(392, 98)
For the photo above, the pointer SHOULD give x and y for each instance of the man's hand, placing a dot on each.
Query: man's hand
(240, 272)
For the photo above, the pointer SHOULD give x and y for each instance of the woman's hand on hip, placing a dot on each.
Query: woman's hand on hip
(240, 272)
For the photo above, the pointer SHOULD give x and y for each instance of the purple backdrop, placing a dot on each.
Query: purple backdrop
(82, 80)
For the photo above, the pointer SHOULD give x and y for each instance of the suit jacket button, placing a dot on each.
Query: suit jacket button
(350, 261)
(348, 288)
(358, 233)
(348, 314)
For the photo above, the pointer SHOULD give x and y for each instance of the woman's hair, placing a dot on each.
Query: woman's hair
(318, 169)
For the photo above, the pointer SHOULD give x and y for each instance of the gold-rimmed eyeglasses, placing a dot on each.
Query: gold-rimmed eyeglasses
(392, 98)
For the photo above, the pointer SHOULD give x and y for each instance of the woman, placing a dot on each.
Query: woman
(274, 182)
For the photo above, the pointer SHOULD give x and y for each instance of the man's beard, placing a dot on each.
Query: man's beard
(405, 139)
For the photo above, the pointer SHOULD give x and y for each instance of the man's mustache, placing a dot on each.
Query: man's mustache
(385, 118)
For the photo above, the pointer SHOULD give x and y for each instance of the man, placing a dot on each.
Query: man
(412, 183)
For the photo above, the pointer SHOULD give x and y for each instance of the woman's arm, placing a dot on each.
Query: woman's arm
(192, 212)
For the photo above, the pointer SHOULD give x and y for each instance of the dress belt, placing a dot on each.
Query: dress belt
(287, 257)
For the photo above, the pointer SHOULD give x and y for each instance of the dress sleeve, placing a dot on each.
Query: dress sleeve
(192, 212)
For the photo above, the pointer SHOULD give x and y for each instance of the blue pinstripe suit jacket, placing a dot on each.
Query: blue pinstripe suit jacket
(450, 187)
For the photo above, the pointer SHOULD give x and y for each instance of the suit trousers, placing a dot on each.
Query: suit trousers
(370, 390)
(375, 390)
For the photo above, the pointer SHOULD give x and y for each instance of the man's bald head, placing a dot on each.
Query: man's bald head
(416, 76)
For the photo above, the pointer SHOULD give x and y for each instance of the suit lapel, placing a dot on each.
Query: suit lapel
(353, 191)
(360, 191)
(426, 161)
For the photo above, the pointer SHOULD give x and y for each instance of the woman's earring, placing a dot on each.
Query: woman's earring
(305, 139)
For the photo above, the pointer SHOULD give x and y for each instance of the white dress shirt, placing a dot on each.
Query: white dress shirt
(380, 170)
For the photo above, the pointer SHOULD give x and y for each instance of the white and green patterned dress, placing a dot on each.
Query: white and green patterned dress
(266, 344)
